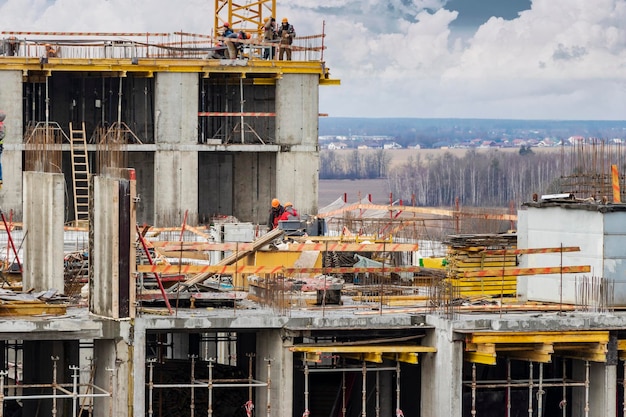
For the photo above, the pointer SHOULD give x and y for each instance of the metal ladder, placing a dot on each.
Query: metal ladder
(80, 175)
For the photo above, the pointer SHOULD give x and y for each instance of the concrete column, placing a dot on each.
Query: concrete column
(297, 163)
(270, 346)
(43, 249)
(117, 371)
(176, 160)
(111, 247)
(11, 102)
(602, 390)
(442, 394)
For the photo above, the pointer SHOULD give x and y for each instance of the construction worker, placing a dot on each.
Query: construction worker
(286, 34)
(227, 31)
(275, 212)
(50, 51)
(269, 35)
(12, 46)
(290, 213)
(2, 134)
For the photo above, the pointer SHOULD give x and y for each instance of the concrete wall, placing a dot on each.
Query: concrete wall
(11, 102)
(270, 346)
(44, 211)
(442, 372)
(297, 164)
(254, 185)
(601, 238)
(176, 166)
(143, 164)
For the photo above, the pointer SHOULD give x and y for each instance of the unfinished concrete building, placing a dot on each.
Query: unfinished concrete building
(111, 134)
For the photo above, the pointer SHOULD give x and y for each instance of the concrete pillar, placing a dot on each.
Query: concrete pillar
(111, 247)
(602, 389)
(176, 167)
(270, 346)
(43, 248)
(297, 163)
(117, 372)
(11, 102)
(442, 394)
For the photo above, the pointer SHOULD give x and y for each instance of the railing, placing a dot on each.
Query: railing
(178, 45)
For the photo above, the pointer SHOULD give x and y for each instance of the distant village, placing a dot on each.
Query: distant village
(331, 142)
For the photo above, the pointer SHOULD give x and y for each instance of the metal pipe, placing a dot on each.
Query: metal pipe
(364, 391)
(192, 406)
(210, 386)
(75, 375)
(377, 394)
(587, 388)
(306, 385)
(269, 387)
(540, 392)
(530, 389)
(2, 375)
(343, 394)
(54, 385)
(473, 389)
(508, 387)
(563, 403)
(333, 370)
(398, 409)
(151, 362)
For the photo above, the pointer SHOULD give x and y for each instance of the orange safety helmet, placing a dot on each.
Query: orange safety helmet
(275, 203)
(288, 204)
(226, 24)
(285, 20)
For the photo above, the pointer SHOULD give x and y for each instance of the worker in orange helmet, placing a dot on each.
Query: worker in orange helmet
(275, 212)
(286, 34)
(227, 30)
(290, 213)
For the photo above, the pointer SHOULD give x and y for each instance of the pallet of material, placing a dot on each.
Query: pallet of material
(30, 308)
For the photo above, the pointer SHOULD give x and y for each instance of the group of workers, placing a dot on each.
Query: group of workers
(282, 35)
(279, 212)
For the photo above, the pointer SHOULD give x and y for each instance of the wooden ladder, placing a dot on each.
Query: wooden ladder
(80, 175)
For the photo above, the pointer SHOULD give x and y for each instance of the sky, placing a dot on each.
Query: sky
(489, 59)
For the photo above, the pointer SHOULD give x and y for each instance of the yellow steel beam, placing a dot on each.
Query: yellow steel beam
(483, 358)
(539, 337)
(530, 356)
(367, 357)
(527, 271)
(412, 358)
(363, 349)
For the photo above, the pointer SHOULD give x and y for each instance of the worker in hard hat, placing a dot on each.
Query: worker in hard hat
(50, 51)
(290, 213)
(275, 212)
(227, 30)
(269, 35)
(12, 46)
(286, 34)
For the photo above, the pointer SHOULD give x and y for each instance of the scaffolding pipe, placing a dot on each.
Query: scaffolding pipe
(563, 403)
(210, 387)
(377, 394)
(150, 385)
(508, 387)
(624, 388)
(54, 385)
(343, 393)
(540, 391)
(530, 389)
(241, 101)
(399, 412)
(269, 387)
(75, 375)
(2, 375)
(473, 389)
(364, 391)
(306, 386)
(587, 388)
(192, 406)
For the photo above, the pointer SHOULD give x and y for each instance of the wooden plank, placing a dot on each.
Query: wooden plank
(529, 271)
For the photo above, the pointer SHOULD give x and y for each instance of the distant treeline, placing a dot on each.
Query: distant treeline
(354, 165)
(477, 178)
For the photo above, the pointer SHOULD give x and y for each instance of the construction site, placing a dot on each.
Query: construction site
(139, 277)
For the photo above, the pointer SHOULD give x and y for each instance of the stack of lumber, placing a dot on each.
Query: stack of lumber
(478, 265)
